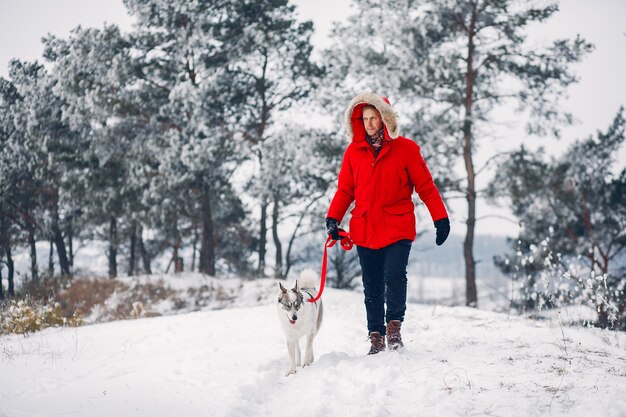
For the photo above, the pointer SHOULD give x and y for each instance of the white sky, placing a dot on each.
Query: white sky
(594, 100)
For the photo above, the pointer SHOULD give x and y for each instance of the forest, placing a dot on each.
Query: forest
(211, 128)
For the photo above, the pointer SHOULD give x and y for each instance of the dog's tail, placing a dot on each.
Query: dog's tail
(308, 279)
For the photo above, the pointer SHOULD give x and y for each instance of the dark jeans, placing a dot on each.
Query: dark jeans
(384, 281)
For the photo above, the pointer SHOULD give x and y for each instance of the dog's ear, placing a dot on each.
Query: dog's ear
(283, 289)
(295, 287)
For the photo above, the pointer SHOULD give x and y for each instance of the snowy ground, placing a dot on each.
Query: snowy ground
(230, 362)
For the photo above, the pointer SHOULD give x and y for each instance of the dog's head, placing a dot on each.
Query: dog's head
(290, 301)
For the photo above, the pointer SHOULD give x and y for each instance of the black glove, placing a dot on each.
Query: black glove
(443, 230)
(332, 228)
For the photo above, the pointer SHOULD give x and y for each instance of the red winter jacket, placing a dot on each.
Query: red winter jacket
(381, 188)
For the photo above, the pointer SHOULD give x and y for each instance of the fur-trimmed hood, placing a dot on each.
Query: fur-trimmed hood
(354, 116)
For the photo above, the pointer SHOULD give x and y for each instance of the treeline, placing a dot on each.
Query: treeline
(184, 133)
(120, 133)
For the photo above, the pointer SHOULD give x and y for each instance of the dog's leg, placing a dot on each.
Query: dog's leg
(291, 349)
(308, 353)
(298, 356)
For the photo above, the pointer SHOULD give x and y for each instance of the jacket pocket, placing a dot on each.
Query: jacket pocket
(357, 224)
(400, 220)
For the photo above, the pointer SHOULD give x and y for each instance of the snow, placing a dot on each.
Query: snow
(230, 362)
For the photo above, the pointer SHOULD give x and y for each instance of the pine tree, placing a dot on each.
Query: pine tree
(273, 72)
(289, 174)
(184, 58)
(39, 148)
(12, 157)
(574, 213)
(92, 75)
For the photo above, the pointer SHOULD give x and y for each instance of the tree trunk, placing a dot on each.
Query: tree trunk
(278, 266)
(132, 263)
(57, 237)
(34, 272)
(142, 250)
(290, 245)
(264, 116)
(207, 242)
(178, 261)
(51, 259)
(112, 247)
(195, 247)
(64, 263)
(11, 268)
(468, 244)
(70, 241)
(3, 242)
(262, 238)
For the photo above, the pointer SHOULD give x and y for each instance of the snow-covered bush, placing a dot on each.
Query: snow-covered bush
(27, 316)
(546, 279)
(572, 246)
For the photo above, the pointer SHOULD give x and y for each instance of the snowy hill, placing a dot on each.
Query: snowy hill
(230, 362)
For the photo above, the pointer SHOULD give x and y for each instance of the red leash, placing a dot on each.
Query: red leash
(346, 244)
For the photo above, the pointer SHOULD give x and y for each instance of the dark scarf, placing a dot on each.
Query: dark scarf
(376, 141)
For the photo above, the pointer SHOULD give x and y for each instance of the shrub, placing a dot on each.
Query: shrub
(27, 316)
(550, 280)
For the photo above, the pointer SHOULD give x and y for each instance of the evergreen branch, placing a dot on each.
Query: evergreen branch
(493, 158)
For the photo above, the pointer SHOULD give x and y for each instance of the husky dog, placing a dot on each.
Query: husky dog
(299, 317)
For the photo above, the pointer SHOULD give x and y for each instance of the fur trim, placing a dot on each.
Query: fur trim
(389, 117)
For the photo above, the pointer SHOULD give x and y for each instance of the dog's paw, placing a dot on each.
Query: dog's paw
(308, 358)
(290, 371)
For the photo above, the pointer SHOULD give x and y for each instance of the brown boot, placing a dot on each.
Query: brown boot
(378, 343)
(394, 340)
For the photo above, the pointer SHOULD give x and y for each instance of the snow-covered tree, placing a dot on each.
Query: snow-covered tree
(40, 149)
(273, 72)
(19, 200)
(166, 109)
(184, 53)
(573, 209)
(94, 76)
(12, 157)
(452, 62)
(290, 175)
